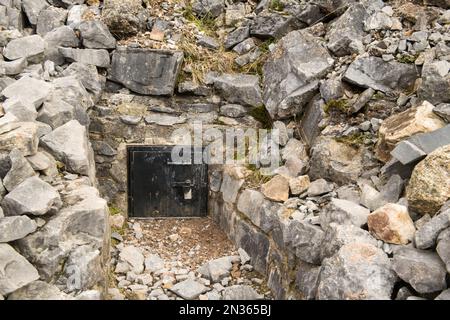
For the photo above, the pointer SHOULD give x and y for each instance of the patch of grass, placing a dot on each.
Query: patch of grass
(255, 179)
(114, 210)
(355, 140)
(256, 67)
(340, 105)
(261, 115)
(276, 5)
(205, 23)
(407, 58)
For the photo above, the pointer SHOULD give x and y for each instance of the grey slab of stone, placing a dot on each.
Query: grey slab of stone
(233, 110)
(56, 112)
(208, 7)
(305, 240)
(19, 135)
(23, 111)
(237, 36)
(419, 146)
(240, 292)
(423, 270)
(33, 196)
(270, 25)
(32, 9)
(189, 289)
(49, 19)
(153, 263)
(344, 212)
(19, 171)
(11, 68)
(28, 90)
(217, 269)
(320, 187)
(14, 228)
(95, 35)
(309, 126)
(443, 110)
(427, 235)
(435, 86)
(16, 271)
(39, 290)
(146, 71)
(373, 72)
(30, 47)
(208, 42)
(96, 57)
(239, 88)
(164, 119)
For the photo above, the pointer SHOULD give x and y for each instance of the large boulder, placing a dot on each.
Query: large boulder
(95, 35)
(125, 18)
(305, 240)
(33, 197)
(398, 127)
(49, 19)
(336, 161)
(96, 57)
(146, 71)
(28, 90)
(292, 73)
(375, 73)
(30, 47)
(359, 271)
(15, 270)
(14, 228)
(429, 186)
(435, 85)
(392, 224)
(19, 171)
(69, 144)
(423, 270)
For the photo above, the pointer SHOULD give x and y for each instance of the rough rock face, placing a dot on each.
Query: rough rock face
(398, 127)
(360, 271)
(335, 161)
(424, 270)
(436, 82)
(146, 71)
(392, 224)
(125, 18)
(429, 187)
(291, 74)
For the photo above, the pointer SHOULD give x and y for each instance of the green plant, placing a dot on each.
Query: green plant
(407, 58)
(276, 5)
(355, 140)
(340, 105)
(261, 115)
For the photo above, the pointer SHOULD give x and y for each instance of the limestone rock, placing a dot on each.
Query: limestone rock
(427, 235)
(277, 189)
(189, 289)
(239, 88)
(134, 257)
(16, 271)
(13, 228)
(23, 111)
(28, 90)
(392, 224)
(336, 236)
(38, 290)
(20, 170)
(55, 112)
(361, 271)
(424, 270)
(429, 186)
(299, 185)
(240, 292)
(305, 240)
(435, 86)
(49, 19)
(19, 135)
(336, 161)
(153, 263)
(320, 187)
(95, 35)
(343, 212)
(69, 144)
(31, 47)
(292, 72)
(259, 210)
(217, 269)
(403, 125)
(125, 18)
(208, 7)
(231, 184)
(32, 9)
(34, 197)
(96, 57)
(375, 73)
(146, 71)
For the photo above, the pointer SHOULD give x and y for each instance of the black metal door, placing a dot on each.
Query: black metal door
(158, 187)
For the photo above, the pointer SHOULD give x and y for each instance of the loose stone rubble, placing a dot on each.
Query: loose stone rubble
(359, 94)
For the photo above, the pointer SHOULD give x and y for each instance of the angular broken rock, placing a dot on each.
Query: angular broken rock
(189, 289)
(217, 269)
(211, 8)
(14, 228)
(392, 224)
(15, 270)
(28, 90)
(19, 135)
(134, 257)
(95, 35)
(343, 212)
(419, 146)
(11, 68)
(32, 9)
(39, 290)
(423, 270)
(435, 86)
(231, 184)
(240, 292)
(153, 263)
(49, 19)
(125, 18)
(20, 170)
(361, 271)
(239, 88)
(146, 71)
(420, 119)
(443, 248)
(305, 240)
(292, 73)
(336, 236)
(33, 197)
(335, 161)
(299, 185)
(96, 57)
(427, 235)
(375, 73)
(69, 144)
(429, 186)
(31, 47)
(277, 189)
(23, 111)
